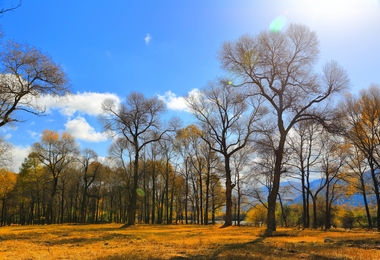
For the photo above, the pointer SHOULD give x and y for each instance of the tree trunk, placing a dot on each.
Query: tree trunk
(376, 188)
(304, 201)
(201, 196)
(308, 203)
(238, 200)
(145, 201)
(186, 197)
(154, 193)
(131, 214)
(171, 203)
(3, 214)
(272, 197)
(167, 191)
(207, 195)
(161, 210)
(62, 204)
(83, 206)
(369, 219)
(327, 206)
(282, 211)
(153, 196)
(315, 213)
(229, 187)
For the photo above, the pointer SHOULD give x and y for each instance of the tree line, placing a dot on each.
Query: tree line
(275, 117)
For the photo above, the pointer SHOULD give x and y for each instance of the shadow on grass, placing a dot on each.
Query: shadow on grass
(81, 241)
(242, 247)
(128, 225)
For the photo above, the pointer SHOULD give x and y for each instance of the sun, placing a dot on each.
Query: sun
(323, 14)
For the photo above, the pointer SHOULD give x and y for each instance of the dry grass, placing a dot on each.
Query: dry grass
(113, 241)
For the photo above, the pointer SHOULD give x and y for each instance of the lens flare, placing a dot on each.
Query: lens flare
(278, 23)
(140, 192)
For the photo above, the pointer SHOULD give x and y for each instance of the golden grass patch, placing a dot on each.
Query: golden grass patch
(113, 241)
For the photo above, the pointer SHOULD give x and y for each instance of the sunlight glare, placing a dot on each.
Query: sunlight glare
(348, 15)
(278, 23)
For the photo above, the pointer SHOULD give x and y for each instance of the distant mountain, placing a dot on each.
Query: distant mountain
(294, 196)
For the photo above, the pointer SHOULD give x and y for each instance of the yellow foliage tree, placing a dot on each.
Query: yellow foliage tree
(7, 183)
(257, 215)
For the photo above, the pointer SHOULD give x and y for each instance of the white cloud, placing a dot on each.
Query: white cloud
(173, 102)
(19, 154)
(88, 102)
(82, 130)
(147, 39)
(36, 136)
(4, 132)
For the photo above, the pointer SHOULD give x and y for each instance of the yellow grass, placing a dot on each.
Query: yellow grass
(113, 241)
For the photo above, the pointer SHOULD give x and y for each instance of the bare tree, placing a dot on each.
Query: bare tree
(241, 164)
(333, 159)
(5, 153)
(89, 168)
(228, 121)
(279, 66)
(138, 121)
(186, 143)
(27, 73)
(358, 177)
(306, 149)
(11, 8)
(56, 153)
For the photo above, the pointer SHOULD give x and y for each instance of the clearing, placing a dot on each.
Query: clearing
(114, 241)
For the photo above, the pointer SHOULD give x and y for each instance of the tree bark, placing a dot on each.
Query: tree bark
(131, 214)
(207, 195)
(272, 197)
(229, 187)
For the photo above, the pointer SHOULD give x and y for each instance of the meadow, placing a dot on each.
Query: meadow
(115, 241)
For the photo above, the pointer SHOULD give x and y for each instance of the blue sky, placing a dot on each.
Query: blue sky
(168, 48)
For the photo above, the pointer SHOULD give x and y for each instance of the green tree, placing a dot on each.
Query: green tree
(31, 187)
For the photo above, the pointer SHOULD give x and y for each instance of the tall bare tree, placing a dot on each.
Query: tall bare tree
(279, 66)
(306, 150)
(227, 117)
(358, 177)
(26, 73)
(89, 169)
(56, 153)
(138, 121)
(241, 164)
(186, 142)
(5, 153)
(333, 159)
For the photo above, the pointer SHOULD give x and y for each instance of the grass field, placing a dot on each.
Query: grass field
(113, 241)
